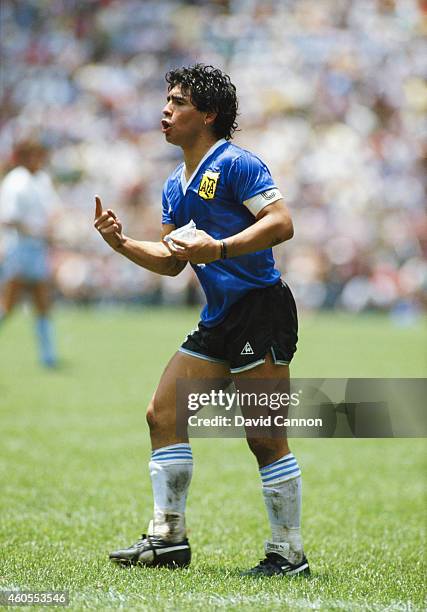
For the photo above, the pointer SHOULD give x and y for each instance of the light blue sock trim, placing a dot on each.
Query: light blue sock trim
(174, 453)
(280, 468)
(285, 459)
(161, 453)
(173, 447)
(285, 475)
(283, 469)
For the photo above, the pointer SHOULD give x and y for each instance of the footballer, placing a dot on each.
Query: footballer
(28, 207)
(248, 328)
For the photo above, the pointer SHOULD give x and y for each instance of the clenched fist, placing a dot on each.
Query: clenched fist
(108, 225)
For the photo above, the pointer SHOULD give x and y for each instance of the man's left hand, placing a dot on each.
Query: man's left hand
(201, 250)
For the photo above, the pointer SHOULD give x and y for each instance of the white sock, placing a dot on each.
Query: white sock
(171, 468)
(281, 487)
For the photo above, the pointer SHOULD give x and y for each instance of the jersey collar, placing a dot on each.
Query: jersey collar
(185, 184)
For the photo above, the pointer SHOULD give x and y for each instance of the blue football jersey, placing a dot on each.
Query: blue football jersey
(218, 198)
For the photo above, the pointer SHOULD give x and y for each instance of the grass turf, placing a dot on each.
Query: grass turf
(74, 481)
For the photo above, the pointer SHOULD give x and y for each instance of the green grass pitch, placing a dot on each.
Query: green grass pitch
(74, 482)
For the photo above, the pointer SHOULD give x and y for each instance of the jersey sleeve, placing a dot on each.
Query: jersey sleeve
(167, 212)
(252, 183)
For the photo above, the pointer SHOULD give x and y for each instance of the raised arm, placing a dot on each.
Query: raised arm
(153, 256)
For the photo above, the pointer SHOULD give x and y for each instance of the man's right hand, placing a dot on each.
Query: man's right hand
(108, 225)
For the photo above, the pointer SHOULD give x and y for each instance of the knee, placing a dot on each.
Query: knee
(153, 417)
(268, 450)
(158, 417)
(150, 417)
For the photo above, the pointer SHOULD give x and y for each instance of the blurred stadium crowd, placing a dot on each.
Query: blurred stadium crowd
(332, 97)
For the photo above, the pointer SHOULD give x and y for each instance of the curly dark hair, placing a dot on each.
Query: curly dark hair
(209, 90)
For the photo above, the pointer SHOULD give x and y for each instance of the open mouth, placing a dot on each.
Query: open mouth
(166, 125)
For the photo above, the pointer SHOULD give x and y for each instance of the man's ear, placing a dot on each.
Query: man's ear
(210, 117)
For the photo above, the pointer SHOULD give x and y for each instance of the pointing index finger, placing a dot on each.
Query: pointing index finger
(98, 207)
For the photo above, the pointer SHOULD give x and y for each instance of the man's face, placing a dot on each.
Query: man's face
(33, 158)
(182, 123)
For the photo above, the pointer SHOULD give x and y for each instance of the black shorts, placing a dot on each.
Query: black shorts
(263, 320)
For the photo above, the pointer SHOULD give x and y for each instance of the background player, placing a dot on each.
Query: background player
(248, 326)
(28, 203)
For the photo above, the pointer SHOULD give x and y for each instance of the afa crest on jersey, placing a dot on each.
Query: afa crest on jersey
(208, 184)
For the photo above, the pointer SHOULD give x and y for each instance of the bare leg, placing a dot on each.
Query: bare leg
(12, 291)
(40, 294)
(266, 449)
(161, 413)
